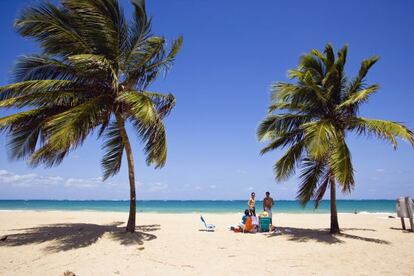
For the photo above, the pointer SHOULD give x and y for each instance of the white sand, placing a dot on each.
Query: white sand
(49, 243)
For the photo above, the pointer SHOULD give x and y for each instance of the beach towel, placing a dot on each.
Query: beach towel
(248, 227)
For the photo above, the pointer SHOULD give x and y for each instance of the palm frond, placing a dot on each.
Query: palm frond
(140, 106)
(135, 66)
(114, 148)
(69, 129)
(282, 141)
(359, 97)
(383, 129)
(47, 99)
(52, 28)
(318, 137)
(155, 140)
(140, 28)
(313, 64)
(358, 83)
(33, 86)
(311, 172)
(102, 24)
(285, 166)
(282, 105)
(147, 121)
(320, 191)
(275, 125)
(342, 55)
(340, 164)
(26, 130)
(41, 67)
(91, 72)
(330, 56)
(96, 66)
(163, 103)
(16, 120)
(48, 155)
(164, 62)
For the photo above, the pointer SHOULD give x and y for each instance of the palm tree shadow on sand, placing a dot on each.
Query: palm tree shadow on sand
(67, 236)
(323, 235)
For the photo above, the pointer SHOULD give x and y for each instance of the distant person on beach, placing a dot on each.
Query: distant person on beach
(247, 225)
(268, 204)
(251, 204)
(245, 221)
(246, 215)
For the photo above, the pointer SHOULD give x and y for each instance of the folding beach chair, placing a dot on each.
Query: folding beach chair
(264, 224)
(208, 227)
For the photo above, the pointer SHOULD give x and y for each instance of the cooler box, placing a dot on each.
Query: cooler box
(264, 224)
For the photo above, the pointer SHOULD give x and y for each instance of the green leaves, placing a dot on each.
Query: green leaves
(358, 97)
(67, 130)
(145, 62)
(114, 148)
(386, 130)
(318, 138)
(31, 87)
(358, 82)
(53, 28)
(277, 125)
(146, 111)
(139, 106)
(340, 164)
(285, 166)
(312, 170)
(93, 65)
(312, 114)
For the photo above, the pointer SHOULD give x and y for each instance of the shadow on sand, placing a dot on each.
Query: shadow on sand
(402, 230)
(67, 236)
(323, 235)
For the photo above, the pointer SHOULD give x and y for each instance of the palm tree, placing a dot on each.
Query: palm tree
(92, 75)
(312, 117)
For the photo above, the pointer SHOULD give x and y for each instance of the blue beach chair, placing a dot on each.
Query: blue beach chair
(264, 224)
(208, 227)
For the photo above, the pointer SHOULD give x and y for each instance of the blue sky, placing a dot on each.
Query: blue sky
(233, 51)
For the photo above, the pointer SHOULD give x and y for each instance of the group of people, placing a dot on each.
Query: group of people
(249, 222)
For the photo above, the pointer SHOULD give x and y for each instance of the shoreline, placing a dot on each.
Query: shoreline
(198, 206)
(193, 213)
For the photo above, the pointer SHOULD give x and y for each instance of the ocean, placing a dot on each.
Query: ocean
(195, 206)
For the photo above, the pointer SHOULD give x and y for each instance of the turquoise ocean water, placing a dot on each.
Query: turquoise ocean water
(195, 206)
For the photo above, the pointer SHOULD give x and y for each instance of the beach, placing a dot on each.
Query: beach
(94, 243)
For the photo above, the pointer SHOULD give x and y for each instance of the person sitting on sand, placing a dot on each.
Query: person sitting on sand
(245, 225)
(267, 205)
(251, 204)
(245, 217)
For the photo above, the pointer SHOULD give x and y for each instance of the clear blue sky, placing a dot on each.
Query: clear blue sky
(233, 51)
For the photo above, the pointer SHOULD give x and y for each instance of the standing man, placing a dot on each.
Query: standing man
(251, 204)
(268, 204)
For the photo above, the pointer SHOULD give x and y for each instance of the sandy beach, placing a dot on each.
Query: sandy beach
(94, 243)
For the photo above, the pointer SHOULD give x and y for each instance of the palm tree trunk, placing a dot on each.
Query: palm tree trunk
(334, 212)
(131, 174)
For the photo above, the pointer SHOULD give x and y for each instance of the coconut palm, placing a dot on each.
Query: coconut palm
(312, 116)
(92, 76)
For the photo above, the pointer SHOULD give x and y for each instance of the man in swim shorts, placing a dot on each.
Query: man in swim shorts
(268, 204)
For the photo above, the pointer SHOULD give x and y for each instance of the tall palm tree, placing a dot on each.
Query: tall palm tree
(312, 117)
(92, 74)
